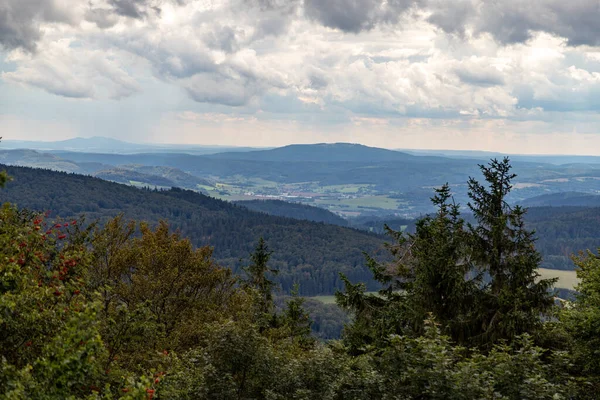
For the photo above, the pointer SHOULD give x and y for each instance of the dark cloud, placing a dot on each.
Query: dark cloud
(103, 18)
(130, 8)
(515, 21)
(20, 21)
(479, 77)
(451, 16)
(218, 89)
(223, 38)
(508, 21)
(356, 15)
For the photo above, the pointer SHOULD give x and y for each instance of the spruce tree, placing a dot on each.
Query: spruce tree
(512, 300)
(429, 277)
(257, 279)
(443, 283)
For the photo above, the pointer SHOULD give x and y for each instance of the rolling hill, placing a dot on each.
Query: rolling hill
(294, 210)
(563, 199)
(309, 253)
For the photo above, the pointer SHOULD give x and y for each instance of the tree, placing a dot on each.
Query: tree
(429, 276)
(581, 320)
(3, 176)
(296, 321)
(478, 281)
(513, 299)
(257, 279)
(157, 291)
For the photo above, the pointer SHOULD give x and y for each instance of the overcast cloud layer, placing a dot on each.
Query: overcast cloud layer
(505, 75)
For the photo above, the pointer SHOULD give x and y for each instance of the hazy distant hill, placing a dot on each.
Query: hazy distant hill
(294, 210)
(99, 144)
(557, 159)
(152, 176)
(322, 163)
(31, 158)
(406, 179)
(321, 152)
(309, 253)
(563, 199)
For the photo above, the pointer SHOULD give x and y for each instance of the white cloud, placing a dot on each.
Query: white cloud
(353, 62)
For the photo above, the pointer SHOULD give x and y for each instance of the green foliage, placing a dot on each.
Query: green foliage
(308, 253)
(480, 282)
(504, 249)
(256, 276)
(50, 345)
(128, 311)
(294, 210)
(581, 320)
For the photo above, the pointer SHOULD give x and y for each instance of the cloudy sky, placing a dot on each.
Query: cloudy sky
(504, 75)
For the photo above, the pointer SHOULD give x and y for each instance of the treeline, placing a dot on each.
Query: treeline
(563, 231)
(294, 210)
(134, 312)
(308, 253)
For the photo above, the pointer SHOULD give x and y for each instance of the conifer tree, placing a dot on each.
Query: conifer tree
(443, 283)
(429, 277)
(257, 279)
(513, 299)
(297, 320)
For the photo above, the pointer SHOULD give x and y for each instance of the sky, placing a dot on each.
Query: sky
(511, 76)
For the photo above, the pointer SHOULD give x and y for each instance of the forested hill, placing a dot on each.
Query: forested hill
(563, 199)
(563, 231)
(311, 254)
(322, 152)
(294, 210)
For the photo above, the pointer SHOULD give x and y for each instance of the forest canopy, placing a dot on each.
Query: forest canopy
(133, 311)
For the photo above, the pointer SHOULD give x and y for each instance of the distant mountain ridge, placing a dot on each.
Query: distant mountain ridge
(320, 152)
(101, 144)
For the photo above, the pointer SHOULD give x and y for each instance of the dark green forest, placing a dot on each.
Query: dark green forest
(132, 310)
(294, 210)
(308, 253)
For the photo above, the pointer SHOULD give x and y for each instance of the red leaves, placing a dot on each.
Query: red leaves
(62, 236)
(28, 343)
(150, 393)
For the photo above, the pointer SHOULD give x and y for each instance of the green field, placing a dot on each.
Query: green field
(566, 279)
(382, 202)
(346, 189)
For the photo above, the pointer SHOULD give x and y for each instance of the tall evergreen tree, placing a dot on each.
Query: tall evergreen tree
(429, 276)
(513, 299)
(444, 283)
(257, 278)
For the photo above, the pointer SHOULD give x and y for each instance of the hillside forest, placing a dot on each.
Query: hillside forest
(108, 308)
